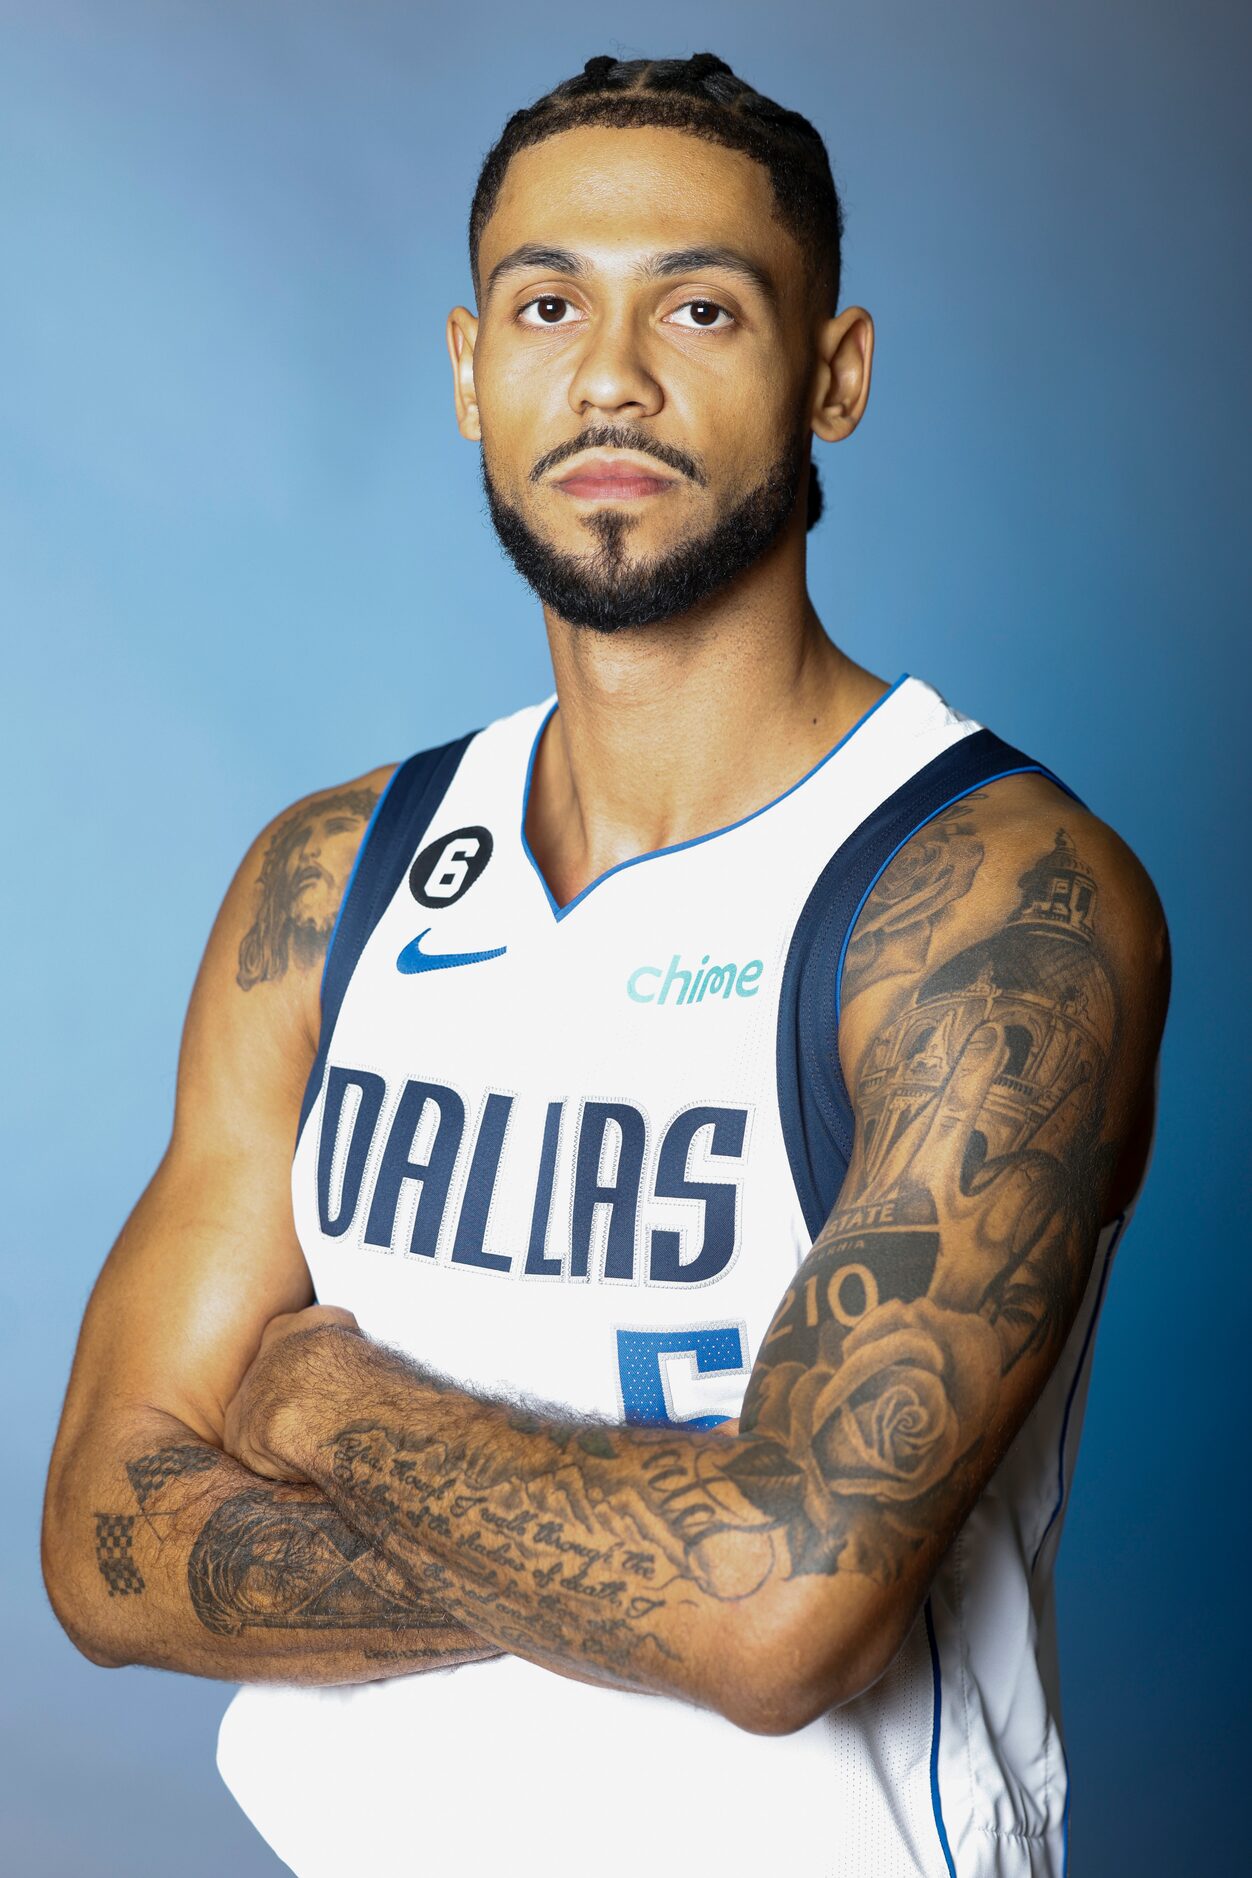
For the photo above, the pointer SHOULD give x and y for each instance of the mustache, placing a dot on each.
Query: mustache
(616, 437)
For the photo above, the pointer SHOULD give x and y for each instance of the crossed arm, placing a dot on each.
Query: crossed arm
(1005, 995)
(999, 1086)
(158, 1547)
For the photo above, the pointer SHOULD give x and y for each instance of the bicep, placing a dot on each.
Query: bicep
(207, 1257)
(210, 1252)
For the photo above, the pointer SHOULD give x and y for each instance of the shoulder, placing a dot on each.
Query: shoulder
(260, 976)
(968, 868)
(292, 880)
(252, 1024)
(1019, 900)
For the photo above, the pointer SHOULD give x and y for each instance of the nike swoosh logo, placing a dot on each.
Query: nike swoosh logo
(413, 959)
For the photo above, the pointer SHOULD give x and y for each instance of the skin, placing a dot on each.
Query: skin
(321, 864)
(334, 1512)
(668, 731)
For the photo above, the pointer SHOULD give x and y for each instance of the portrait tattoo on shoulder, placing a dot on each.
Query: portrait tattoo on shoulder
(302, 880)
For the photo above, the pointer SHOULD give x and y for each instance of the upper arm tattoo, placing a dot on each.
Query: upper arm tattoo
(960, 1241)
(897, 923)
(303, 875)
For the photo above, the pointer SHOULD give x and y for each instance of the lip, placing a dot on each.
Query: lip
(613, 478)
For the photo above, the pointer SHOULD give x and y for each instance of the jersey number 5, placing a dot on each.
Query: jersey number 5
(642, 1370)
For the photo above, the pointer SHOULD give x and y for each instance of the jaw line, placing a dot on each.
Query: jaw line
(609, 594)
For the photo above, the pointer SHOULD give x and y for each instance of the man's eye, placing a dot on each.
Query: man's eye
(701, 309)
(548, 310)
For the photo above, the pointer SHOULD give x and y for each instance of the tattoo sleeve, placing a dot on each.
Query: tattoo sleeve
(896, 1369)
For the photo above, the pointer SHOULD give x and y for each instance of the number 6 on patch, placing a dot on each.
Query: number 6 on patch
(642, 1373)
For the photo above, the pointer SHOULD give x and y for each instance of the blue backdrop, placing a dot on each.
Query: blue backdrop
(243, 553)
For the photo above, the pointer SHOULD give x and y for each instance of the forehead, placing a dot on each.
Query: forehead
(602, 191)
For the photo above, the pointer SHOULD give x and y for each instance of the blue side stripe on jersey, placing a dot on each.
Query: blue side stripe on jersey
(936, 1802)
(1055, 1514)
(677, 847)
(813, 1099)
(401, 817)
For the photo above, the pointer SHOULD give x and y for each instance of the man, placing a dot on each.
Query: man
(747, 1057)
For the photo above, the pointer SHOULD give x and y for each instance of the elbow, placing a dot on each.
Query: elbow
(779, 1678)
(76, 1621)
(71, 1602)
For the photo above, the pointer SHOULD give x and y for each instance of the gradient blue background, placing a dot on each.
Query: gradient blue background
(243, 554)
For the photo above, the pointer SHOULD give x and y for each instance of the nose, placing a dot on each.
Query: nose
(611, 374)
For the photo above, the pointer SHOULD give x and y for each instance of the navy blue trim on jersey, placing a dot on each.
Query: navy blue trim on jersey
(936, 1802)
(401, 817)
(559, 912)
(813, 1101)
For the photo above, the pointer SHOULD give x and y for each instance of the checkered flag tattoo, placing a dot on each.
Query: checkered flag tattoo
(114, 1532)
(151, 1472)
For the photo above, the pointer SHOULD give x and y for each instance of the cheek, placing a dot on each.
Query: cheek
(742, 438)
(523, 405)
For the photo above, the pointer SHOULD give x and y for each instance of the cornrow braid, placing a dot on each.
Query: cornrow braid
(700, 95)
(703, 96)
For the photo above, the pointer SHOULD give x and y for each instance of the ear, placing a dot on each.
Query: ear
(845, 349)
(462, 330)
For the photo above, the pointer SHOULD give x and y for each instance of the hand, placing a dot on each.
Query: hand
(272, 1383)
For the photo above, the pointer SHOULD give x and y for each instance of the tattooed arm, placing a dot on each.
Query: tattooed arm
(998, 1038)
(158, 1548)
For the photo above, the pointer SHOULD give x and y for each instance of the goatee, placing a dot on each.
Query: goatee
(608, 592)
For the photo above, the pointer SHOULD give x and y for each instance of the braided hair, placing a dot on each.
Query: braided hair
(700, 95)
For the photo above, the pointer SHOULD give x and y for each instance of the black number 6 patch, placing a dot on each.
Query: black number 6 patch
(447, 868)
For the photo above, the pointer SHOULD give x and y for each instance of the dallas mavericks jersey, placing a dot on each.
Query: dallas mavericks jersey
(577, 1153)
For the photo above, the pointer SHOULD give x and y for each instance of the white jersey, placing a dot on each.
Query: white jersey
(578, 1153)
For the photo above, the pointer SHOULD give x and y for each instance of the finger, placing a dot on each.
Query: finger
(334, 1314)
(266, 1466)
(313, 1317)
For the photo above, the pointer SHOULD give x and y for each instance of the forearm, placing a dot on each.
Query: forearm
(159, 1549)
(618, 1555)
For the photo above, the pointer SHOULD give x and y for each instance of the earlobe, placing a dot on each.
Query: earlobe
(842, 385)
(461, 333)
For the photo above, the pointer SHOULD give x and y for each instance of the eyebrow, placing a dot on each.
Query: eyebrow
(694, 260)
(651, 267)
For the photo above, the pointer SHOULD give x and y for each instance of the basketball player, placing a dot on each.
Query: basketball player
(727, 1085)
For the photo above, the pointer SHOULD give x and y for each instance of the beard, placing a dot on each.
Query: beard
(607, 591)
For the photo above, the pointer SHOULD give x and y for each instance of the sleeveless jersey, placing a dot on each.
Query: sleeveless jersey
(577, 1153)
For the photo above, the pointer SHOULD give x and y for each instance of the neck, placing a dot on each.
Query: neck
(668, 732)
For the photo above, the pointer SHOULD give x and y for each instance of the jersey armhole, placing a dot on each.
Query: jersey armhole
(401, 816)
(813, 1099)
